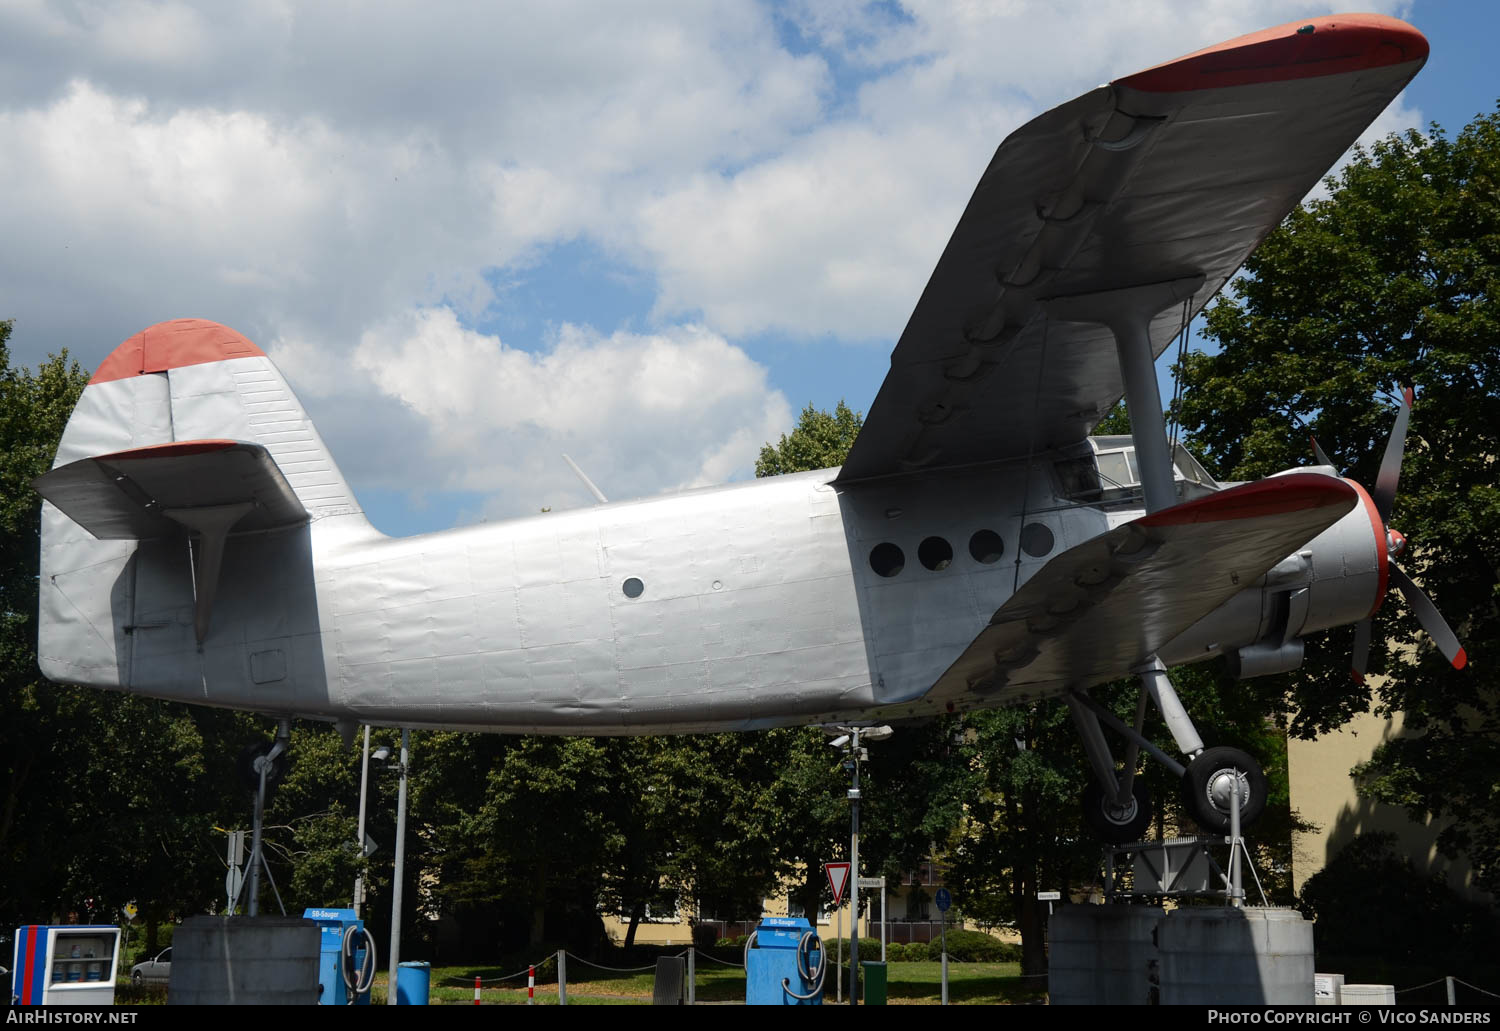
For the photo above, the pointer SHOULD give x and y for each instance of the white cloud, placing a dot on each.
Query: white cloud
(314, 172)
(639, 412)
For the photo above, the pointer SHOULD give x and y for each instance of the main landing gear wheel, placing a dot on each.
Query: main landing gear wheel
(1116, 824)
(244, 766)
(1208, 788)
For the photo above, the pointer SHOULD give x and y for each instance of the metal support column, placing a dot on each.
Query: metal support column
(1128, 312)
(1158, 685)
(1097, 749)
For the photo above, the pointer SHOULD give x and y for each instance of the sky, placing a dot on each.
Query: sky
(475, 237)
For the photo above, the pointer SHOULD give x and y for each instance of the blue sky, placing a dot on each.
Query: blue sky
(476, 238)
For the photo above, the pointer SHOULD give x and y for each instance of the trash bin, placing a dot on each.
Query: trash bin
(413, 982)
(874, 983)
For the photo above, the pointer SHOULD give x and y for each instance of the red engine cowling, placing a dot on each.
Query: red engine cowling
(1338, 578)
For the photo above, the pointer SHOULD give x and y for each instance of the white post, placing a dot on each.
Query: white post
(838, 977)
(884, 925)
(945, 957)
(390, 994)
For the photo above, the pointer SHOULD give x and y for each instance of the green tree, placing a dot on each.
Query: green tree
(1392, 278)
(819, 441)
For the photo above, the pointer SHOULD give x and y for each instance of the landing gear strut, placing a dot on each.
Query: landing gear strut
(1117, 806)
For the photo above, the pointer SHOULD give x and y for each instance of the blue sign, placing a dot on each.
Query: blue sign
(944, 900)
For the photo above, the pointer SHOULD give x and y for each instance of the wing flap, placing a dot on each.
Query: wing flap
(126, 495)
(1101, 609)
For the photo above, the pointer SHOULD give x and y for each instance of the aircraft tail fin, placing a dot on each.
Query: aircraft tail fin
(187, 429)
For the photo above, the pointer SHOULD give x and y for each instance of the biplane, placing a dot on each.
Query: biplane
(978, 548)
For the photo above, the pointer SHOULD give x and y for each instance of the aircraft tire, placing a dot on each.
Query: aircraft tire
(1114, 826)
(1206, 788)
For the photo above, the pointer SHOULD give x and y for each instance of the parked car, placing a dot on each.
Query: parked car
(153, 971)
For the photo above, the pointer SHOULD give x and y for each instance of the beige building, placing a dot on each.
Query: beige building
(912, 915)
(1323, 792)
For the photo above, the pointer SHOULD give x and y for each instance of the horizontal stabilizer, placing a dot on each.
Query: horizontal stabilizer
(1101, 609)
(128, 495)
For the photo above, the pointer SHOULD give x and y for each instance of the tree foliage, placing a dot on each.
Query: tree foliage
(1392, 278)
(819, 441)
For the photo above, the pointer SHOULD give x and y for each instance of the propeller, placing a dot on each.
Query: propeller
(1384, 498)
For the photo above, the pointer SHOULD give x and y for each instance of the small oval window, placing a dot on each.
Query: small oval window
(633, 587)
(887, 559)
(986, 547)
(935, 553)
(1036, 539)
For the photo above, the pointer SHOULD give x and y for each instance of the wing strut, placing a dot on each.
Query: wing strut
(1127, 313)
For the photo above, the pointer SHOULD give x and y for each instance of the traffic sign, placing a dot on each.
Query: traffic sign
(944, 900)
(838, 879)
(1049, 896)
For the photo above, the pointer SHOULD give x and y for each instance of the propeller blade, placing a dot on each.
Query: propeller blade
(1361, 659)
(1431, 619)
(1317, 451)
(1384, 494)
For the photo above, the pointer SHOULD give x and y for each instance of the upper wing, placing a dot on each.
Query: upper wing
(1101, 609)
(1174, 172)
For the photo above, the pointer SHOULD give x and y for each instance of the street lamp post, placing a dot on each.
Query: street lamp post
(854, 873)
(364, 780)
(849, 739)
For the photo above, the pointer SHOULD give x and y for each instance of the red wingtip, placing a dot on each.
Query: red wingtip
(1357, 676)
(1461, 659)
(1410, 395)
(171, 345)
(1301, 49)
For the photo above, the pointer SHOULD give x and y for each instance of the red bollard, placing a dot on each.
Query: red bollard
(476, 989)
(531, 986)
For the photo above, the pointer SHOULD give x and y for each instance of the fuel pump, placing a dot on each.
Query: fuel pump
(785, 964)
(346, 960)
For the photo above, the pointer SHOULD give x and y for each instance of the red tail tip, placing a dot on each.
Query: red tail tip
(1410, 395)
(1461, 659)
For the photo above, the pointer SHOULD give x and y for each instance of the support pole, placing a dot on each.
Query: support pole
(364, 783)
(562, 977)
(390, 997)
(692, 975)
(1127, 312)
(854, 875)
(1159, 686)
(1236, 844)
(1095, 747)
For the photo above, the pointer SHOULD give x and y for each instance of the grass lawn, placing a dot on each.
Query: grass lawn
(907, 984)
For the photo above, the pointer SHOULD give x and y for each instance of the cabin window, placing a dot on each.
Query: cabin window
(887, 559)
(986, 547)
(1036, 540)
(633, 587)
(935, 553)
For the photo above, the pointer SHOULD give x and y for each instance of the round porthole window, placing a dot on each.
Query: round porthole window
(986, 547)
(935, 553)
(633, 587)
(887, 559)
(1036, 540)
